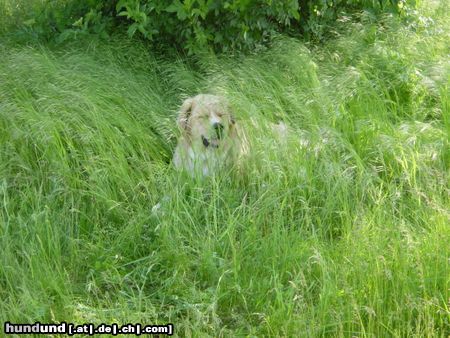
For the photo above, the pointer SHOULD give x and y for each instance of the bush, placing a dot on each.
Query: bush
(196, 25)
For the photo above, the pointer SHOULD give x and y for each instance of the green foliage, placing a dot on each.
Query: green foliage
(341, 231)
(56, 20)
(238, 24)
(197, 25)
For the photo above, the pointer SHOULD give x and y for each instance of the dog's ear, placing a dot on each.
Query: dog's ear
(185, 113)
(228, 109)
(232, 119)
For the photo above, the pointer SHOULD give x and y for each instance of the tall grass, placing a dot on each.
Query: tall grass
(342, 230)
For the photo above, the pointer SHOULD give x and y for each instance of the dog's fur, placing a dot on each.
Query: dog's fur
(209, 138)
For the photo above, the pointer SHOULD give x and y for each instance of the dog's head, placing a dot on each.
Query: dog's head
(206, 121)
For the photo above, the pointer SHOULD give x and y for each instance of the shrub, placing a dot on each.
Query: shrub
(196, 25)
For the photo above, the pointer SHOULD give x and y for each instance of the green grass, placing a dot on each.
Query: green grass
(342, 231)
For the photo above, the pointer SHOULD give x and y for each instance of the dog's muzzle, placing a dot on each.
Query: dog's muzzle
(208, 143)
(219, 128)
(214, 142)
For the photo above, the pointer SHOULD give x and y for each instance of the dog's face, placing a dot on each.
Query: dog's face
(206, 121)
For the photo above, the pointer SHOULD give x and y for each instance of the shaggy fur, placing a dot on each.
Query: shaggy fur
(209, 140)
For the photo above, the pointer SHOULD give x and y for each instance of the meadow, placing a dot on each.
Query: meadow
(343, 230)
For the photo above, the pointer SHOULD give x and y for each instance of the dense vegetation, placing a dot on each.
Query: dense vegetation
(192, 25)
(341, 231)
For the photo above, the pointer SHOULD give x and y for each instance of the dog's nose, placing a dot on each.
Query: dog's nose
(218, 127)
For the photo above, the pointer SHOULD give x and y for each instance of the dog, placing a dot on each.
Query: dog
(209, 140)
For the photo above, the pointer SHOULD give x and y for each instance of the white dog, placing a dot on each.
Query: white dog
(209, 139)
